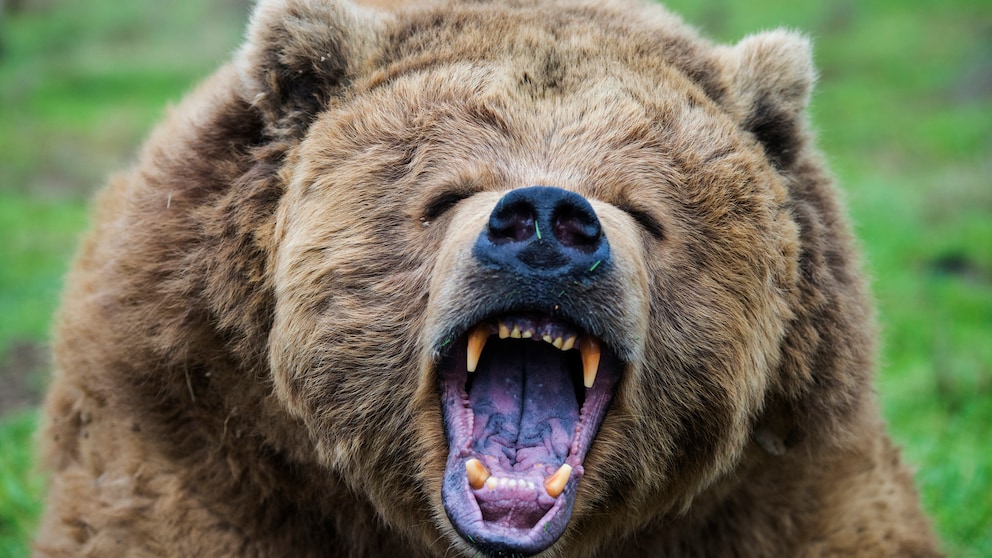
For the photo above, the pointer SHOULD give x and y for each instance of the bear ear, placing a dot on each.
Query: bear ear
(298, 54)
(770, 77)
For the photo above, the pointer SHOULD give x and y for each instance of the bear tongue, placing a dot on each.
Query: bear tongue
(525, 409)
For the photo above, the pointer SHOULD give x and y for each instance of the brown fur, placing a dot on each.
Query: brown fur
(246, 345)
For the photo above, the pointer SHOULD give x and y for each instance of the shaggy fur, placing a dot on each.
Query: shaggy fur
(248, 344)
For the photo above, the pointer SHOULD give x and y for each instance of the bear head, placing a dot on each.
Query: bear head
(517, 273)
(532, 262)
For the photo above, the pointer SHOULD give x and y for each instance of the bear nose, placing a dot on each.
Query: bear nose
(542, 230)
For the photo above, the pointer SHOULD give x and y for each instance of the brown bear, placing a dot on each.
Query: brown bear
(483, 278)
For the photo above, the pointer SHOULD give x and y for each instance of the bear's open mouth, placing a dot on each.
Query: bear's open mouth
(523, 397)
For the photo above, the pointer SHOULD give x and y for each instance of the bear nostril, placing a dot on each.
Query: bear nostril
(576, 228)
(543, 231)
(513, 223)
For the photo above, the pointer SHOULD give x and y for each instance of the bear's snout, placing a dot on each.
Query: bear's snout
(542, 231)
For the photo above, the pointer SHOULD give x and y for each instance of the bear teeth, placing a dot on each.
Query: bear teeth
(479, 477)
(477, 473)
(503, 483)
(590, 350)
(476, 341)
(555, 484)
(588, 345)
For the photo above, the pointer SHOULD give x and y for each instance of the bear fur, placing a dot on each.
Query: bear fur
(255, 339)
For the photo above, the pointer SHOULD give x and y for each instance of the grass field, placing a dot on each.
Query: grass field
(904, 113)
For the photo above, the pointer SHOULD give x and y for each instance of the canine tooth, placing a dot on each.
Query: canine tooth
(477, 473)
(476, 341)
(568, 344)
(558, 343)
(555, 484)
(591, 351)
(515, 333)
(504, 331)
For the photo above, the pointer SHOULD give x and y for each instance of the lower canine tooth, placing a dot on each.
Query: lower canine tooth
(590, 350)
(477, 473)
(476, 341)
(555, 484)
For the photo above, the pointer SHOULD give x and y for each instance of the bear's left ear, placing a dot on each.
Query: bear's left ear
(298, 54)
(769, 77)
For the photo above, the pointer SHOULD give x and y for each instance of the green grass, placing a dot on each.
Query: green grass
(903, 110)
(84, 81)
(39, 235)
(20, 485)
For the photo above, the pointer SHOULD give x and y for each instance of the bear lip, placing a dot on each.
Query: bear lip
(519, 428)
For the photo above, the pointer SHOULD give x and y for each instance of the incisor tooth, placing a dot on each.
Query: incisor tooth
(515, 333)
(477, 473)
(555, 484)
(590, 350)
(558, 343)
(504, 331)
(568, 344)
(476, 341)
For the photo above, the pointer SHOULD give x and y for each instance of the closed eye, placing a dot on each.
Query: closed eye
(439, 205)
(646, 220)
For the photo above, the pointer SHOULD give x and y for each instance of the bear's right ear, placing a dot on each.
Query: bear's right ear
(298, 54)
(770, 77)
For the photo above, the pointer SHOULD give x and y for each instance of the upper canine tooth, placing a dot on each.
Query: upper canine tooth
(476, 341)
(590, 350)
(555, 484)
(477, 473)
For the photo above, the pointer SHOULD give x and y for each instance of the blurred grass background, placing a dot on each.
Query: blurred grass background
(904, 113)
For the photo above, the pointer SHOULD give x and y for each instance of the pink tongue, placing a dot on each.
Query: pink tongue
(525, 406)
